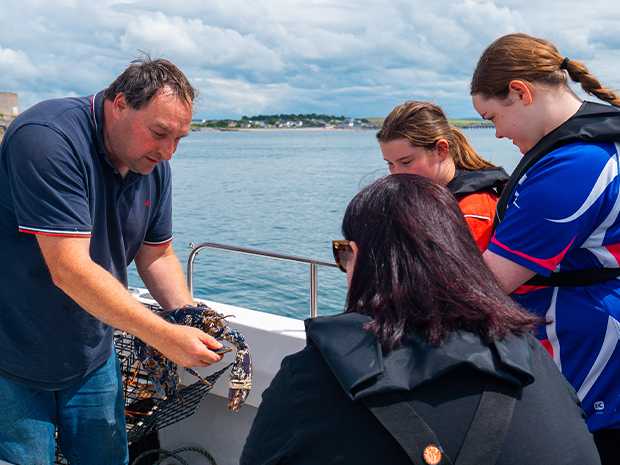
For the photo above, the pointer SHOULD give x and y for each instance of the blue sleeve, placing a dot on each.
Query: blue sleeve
(47, 181)
(556, 206)
(160, 224)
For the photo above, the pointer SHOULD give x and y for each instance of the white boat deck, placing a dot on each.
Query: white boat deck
(213, 427)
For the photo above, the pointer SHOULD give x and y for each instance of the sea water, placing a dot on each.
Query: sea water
(283, 191)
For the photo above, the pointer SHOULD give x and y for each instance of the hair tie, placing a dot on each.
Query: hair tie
(564, 64)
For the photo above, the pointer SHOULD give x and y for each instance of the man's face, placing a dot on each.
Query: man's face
(137, 140)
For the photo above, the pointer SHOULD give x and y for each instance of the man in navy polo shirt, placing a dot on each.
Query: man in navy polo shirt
(85, 189)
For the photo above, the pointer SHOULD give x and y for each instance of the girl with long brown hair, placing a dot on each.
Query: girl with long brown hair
(416, 138)
(557, 244)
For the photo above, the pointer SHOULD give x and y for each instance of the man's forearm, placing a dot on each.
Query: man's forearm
(98, 292)
(103, 296)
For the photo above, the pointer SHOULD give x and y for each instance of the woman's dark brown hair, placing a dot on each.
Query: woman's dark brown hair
(520, 56)
(418, 269)
(423, 124)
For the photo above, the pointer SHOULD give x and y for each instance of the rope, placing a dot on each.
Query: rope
(175, 454)
(165, 453)
(198, 450)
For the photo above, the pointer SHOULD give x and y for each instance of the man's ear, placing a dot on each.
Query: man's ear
(521, 90)
(120, 102)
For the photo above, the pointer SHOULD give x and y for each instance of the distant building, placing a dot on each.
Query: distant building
(8, 110)
(8, 104)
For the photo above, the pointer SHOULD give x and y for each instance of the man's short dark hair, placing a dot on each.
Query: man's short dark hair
(144, 77)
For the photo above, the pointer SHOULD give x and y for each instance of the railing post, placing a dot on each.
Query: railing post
(314, 288)
(190, 268)
(314, 312)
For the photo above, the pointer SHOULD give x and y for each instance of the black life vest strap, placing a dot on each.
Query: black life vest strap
(482, 444)
(486, 436)
(575, 278)
(400, 419)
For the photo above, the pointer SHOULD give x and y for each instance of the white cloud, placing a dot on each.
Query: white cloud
(238, 97)
(347, 56)
(193, 41)
(16, 64)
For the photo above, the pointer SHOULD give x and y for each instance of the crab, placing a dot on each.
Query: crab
(164, 374)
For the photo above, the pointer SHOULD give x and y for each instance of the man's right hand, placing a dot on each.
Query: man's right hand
(104, 297)
(186, 346)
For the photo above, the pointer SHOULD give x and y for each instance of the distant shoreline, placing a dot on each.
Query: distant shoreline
(314, 122)
(283, 129)
(316, 129)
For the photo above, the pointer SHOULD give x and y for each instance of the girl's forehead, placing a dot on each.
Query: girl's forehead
(484, 104)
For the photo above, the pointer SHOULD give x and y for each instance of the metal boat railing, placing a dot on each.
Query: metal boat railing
(314, 264)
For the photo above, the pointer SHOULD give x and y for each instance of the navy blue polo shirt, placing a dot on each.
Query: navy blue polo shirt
(56, 179)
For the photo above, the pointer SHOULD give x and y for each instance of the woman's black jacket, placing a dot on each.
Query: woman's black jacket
(312, 414)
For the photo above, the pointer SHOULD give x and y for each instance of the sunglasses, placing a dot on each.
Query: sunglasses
(342, 253)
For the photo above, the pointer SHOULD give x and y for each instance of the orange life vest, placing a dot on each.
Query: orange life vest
(477, 193)
(479, 212)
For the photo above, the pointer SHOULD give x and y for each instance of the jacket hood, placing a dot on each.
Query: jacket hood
(355, 357)
(467, 182)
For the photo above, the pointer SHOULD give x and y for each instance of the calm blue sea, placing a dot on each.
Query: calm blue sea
(281, 191)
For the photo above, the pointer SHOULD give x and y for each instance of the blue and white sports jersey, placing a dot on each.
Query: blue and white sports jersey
(565, 215)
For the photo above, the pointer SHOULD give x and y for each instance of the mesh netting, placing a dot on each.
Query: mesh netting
(144, 411)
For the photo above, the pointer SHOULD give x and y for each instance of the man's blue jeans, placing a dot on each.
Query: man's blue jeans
(89, 417)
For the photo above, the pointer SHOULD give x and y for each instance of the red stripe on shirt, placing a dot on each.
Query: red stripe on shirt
(547, 345)
(614, 249)
(526, 289)
(548, 263)
(43, 233)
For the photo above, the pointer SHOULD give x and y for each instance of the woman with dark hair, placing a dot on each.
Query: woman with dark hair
(557, 244)
(416, 138)
(430, 354)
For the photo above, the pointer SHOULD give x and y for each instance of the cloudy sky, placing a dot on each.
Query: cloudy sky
(352, 57)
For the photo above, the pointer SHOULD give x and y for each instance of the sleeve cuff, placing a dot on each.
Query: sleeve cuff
(531, 263)
(54, 232)
(163, 243)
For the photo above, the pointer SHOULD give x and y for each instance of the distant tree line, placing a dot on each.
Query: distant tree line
(288, 120)
(293, 116)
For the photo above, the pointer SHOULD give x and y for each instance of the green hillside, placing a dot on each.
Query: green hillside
(463, 123)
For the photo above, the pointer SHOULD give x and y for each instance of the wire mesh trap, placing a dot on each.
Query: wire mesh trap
(145, 412)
